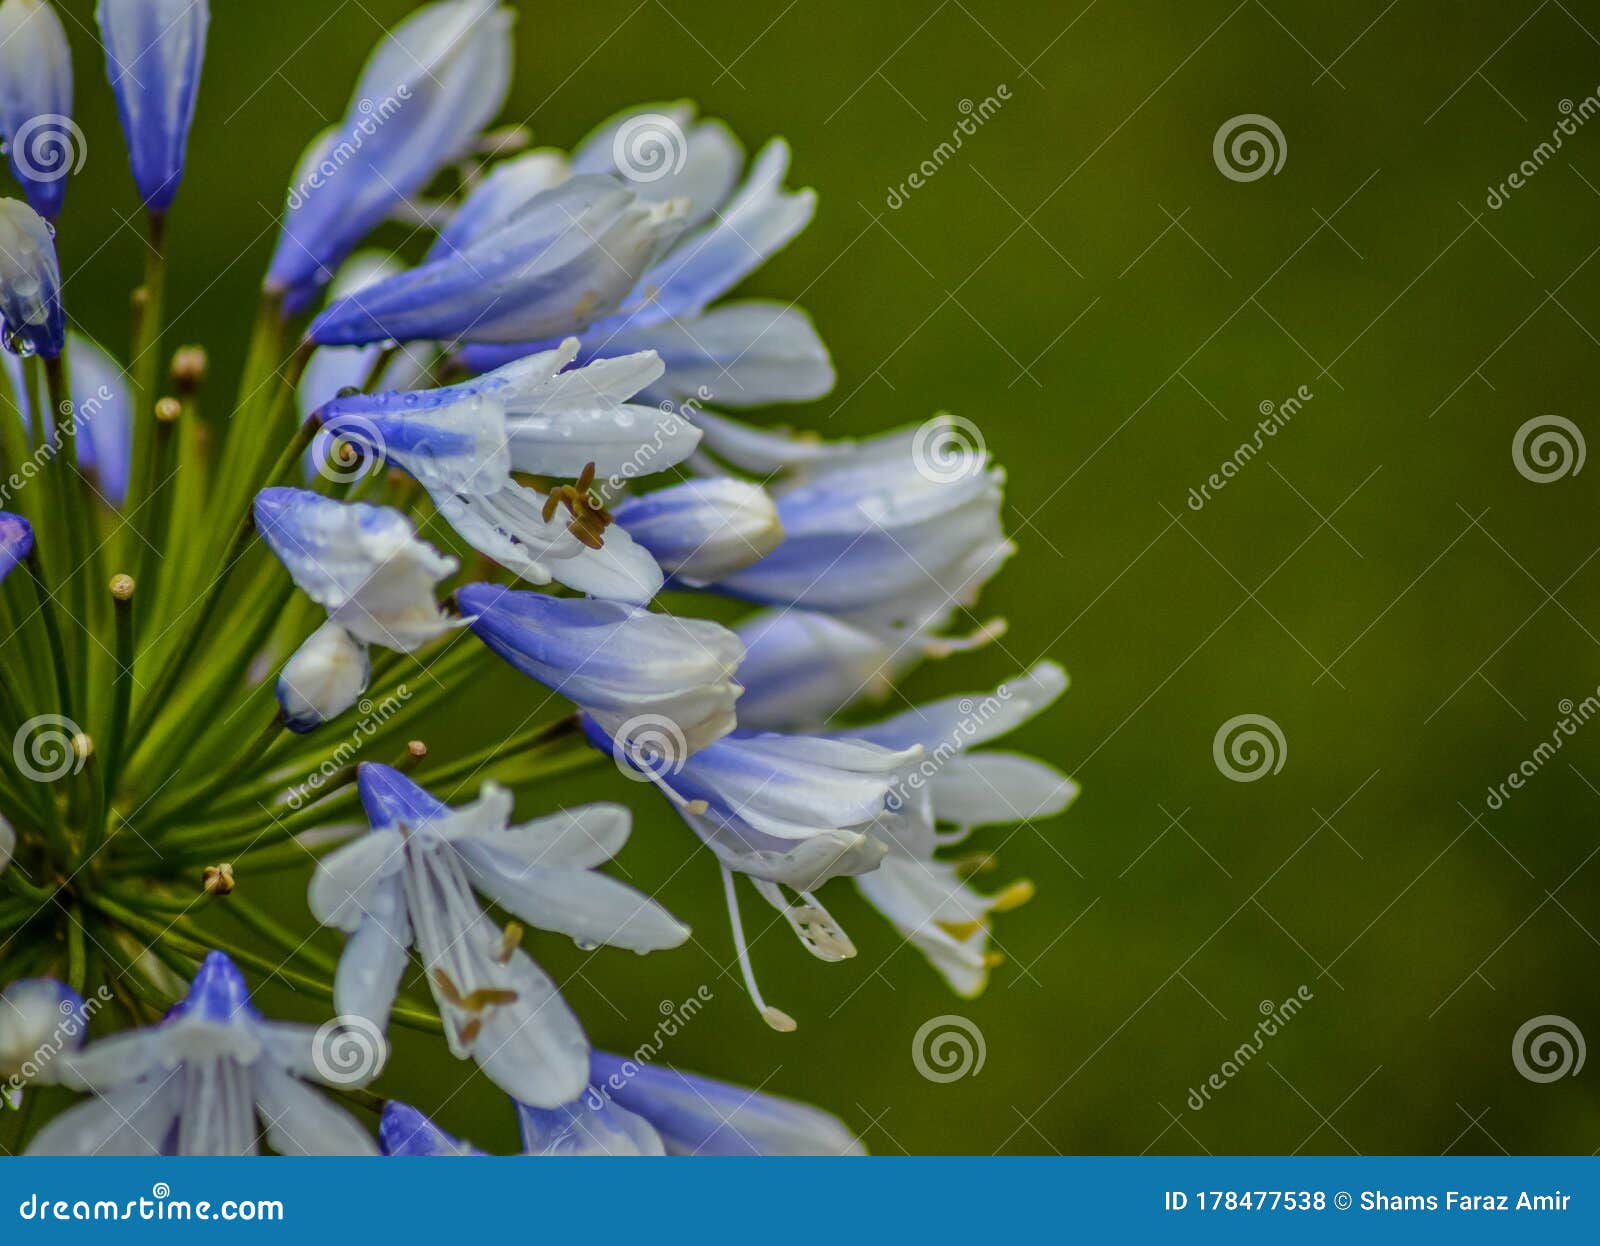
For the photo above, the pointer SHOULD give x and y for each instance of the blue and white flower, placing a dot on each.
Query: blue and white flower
(462, 443)
(16, 541)
(877, 539)
(427, 91)
(564, 261)
(40, 1020)
(32, 321)
(622, 665)
(411, 883)
(42, 143)
(154, 51)
(742, 354)
(208, 1080)
(364, 564)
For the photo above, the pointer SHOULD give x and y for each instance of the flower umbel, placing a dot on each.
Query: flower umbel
(266, 636)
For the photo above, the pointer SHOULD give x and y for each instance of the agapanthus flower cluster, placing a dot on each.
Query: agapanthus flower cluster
(230, 632)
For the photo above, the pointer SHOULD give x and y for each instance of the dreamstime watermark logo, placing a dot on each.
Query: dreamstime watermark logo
(649, 747)
(1573, 716)
(649, 147)
(335, 155)
(49, 747)
(1249, 747)
(948, 448)
(948, 1048)
(1248, 147)
(48, 147)
(675, 1014)
(974, 714)
(1572, 116)
(348, 1051)
(373, 715)
(1548, 447)
(347, 447)
(72, 417)
(1548, 1048)
(1275, 416)
(973, 116)
(26, 1065)
(1274, 1016)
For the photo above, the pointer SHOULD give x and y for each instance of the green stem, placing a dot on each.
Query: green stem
(183, 653)
(122, 589)
(145, 361)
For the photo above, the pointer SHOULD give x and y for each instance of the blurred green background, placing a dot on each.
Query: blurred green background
(1082, 281)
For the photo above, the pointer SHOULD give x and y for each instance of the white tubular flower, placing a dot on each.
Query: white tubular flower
(40, 1020)
(325, 676)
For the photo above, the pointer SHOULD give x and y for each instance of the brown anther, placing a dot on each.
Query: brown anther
(416, 749)
(446, 987)
(470, 1031)
(168, 409)
(189, 365)
(487, 997)
(218, 879)
(590, 518)
(140, 298)
(122, 587)
(510, 942)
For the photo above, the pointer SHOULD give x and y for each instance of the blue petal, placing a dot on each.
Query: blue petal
(405, 1131)
(567, 259)
(16, 541)
(104, 407)
(218, 993)
(700, 1116)
(390, 798)
(31, 315)
(590, 1125)
(42, 143)
(154, 51)
(429, 87)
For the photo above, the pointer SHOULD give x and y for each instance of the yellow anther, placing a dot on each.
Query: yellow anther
(1013, 897)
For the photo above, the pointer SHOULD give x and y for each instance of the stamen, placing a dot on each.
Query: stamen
(1012, 897)
(944, 646)
(960, 931)
(510, 942)
(775, 1017)
(446, 987)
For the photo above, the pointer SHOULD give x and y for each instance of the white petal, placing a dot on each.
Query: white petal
(993, 786)
(590, 908)
(345, 883)
(132, 1120)
(301, 1121)
(582, 837)
(374, 959)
